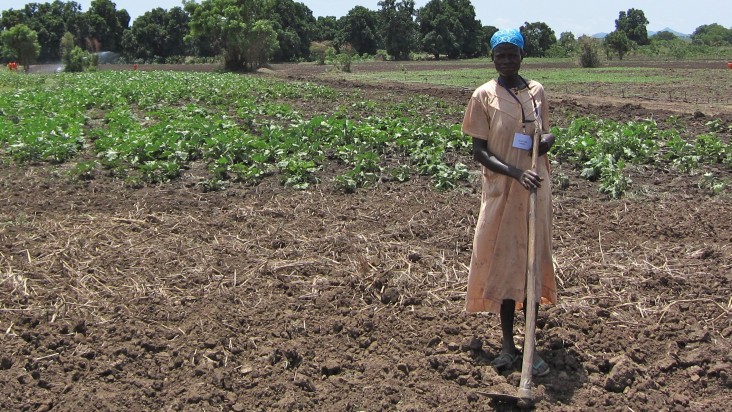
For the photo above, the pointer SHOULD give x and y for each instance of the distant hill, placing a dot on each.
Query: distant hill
(676, 33)
(650, 33)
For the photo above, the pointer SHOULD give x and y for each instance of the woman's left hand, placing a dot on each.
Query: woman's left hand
(529, 179)
(546, 143)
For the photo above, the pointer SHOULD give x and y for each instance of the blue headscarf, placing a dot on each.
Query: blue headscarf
(512, 36)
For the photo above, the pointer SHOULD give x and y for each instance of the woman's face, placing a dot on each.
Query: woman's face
(507, 59)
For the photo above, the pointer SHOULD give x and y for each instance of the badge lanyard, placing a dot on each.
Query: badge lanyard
(523, 114)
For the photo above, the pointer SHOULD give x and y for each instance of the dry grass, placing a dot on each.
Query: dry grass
(97, 265)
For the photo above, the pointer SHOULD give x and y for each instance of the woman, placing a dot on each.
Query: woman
(501, 116)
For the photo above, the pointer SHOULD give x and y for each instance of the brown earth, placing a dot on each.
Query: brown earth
(266, 298)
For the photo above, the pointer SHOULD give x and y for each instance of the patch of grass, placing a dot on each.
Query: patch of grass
(610, 75)
(471, 78)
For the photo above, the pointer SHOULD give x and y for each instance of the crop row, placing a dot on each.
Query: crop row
(151, 126)
(602, 148)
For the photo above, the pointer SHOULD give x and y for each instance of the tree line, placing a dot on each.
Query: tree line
(249, 33)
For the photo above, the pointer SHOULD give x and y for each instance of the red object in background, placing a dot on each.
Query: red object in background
(729, 65)
(12, 66)
(135, 66)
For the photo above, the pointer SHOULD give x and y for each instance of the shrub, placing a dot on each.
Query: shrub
(78, 60)
(319, 52)
(589, 58)
(556, 50)
(342, 61)
(381, 55)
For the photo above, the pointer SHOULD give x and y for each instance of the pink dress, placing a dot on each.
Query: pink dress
(499, 260)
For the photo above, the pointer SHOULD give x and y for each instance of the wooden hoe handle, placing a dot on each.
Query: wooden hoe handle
(524, 391)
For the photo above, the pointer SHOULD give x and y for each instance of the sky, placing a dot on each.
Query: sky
(576, 16)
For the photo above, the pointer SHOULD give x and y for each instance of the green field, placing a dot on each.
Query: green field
(472, 77)
(150, 127)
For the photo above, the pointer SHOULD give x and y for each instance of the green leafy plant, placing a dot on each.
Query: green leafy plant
(213, 185)
(156, 171)
(715, 126)
(400, 173)
(603, 149)
(710, 148)
(614, 183)
(147, 127)
(714, 185)
(83, 170)
(448, 177)
(298, 173)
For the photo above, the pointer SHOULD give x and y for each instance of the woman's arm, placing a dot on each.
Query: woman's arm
(528, 178)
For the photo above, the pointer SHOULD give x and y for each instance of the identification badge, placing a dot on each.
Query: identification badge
(522, 141)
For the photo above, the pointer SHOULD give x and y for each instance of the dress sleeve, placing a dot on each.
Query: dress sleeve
(476, 122)
(545, 126)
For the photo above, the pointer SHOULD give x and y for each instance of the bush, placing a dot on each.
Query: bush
(319, 51)
(381, 55)
(342, 61)
(589, 58)
(175, 59)
(556, 50)
(78, 60)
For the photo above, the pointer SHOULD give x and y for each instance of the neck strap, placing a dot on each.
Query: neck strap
(502, 83)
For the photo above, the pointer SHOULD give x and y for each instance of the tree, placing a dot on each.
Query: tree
(633, 23)
(398, 27)
(564, 47)
(48, 20)
(157, 34)
(177, 29)
(469, 36)
(618, 42)
(589, 55)
(449, 27)
(294, 24)
(538, 38)
(106, 25)
(486, 33)
(11, 18)
(359, 28)
(68, 42)
(568, 42)
(237, 29)
(712, 35)
(76, 22)
(202, 43)
(435, 26)
(319, 51)
(326, 29)
(261, 43)
(664, 36)
(22, 42)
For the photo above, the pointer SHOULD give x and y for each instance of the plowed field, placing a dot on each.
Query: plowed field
(266, 298)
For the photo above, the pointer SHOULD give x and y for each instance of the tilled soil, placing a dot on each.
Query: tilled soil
(267, 298)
